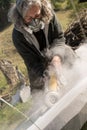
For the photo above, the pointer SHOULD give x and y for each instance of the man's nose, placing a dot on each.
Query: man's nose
(33, 16)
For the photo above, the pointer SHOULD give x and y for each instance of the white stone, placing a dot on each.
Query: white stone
(25, 93)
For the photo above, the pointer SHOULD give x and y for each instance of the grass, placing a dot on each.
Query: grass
(10, 118)
(3, 81)
(8, 52)
(64, 18)
(7, 49)
(9, 113)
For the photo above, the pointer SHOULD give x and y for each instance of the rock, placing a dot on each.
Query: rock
(16, 98)
(25, 93)
(9, 71)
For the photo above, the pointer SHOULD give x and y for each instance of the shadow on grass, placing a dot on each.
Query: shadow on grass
(2, 28)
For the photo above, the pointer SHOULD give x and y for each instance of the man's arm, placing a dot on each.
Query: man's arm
(58, 47)
(58, 35)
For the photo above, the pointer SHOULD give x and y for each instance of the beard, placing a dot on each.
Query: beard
(36, 24)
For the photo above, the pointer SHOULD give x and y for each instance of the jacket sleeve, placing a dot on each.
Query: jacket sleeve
(32, 60)
(57, 31)
(58, 46)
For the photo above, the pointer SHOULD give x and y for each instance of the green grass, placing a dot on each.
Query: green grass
(9, 113)
(3, 81)
(64, 18)
(8, 52)
(10, 118)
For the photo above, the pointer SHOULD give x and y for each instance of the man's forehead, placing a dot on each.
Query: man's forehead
(34, 9)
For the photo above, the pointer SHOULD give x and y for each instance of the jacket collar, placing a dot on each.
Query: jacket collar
(30, 37)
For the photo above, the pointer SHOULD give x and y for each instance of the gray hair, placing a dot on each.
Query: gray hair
(23, 5)
(17, 12)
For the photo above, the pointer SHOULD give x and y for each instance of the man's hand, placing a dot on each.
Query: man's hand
(56, 61)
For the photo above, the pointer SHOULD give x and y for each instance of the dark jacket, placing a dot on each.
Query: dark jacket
(36, 60)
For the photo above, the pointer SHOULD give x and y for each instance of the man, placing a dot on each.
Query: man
(38, 37)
